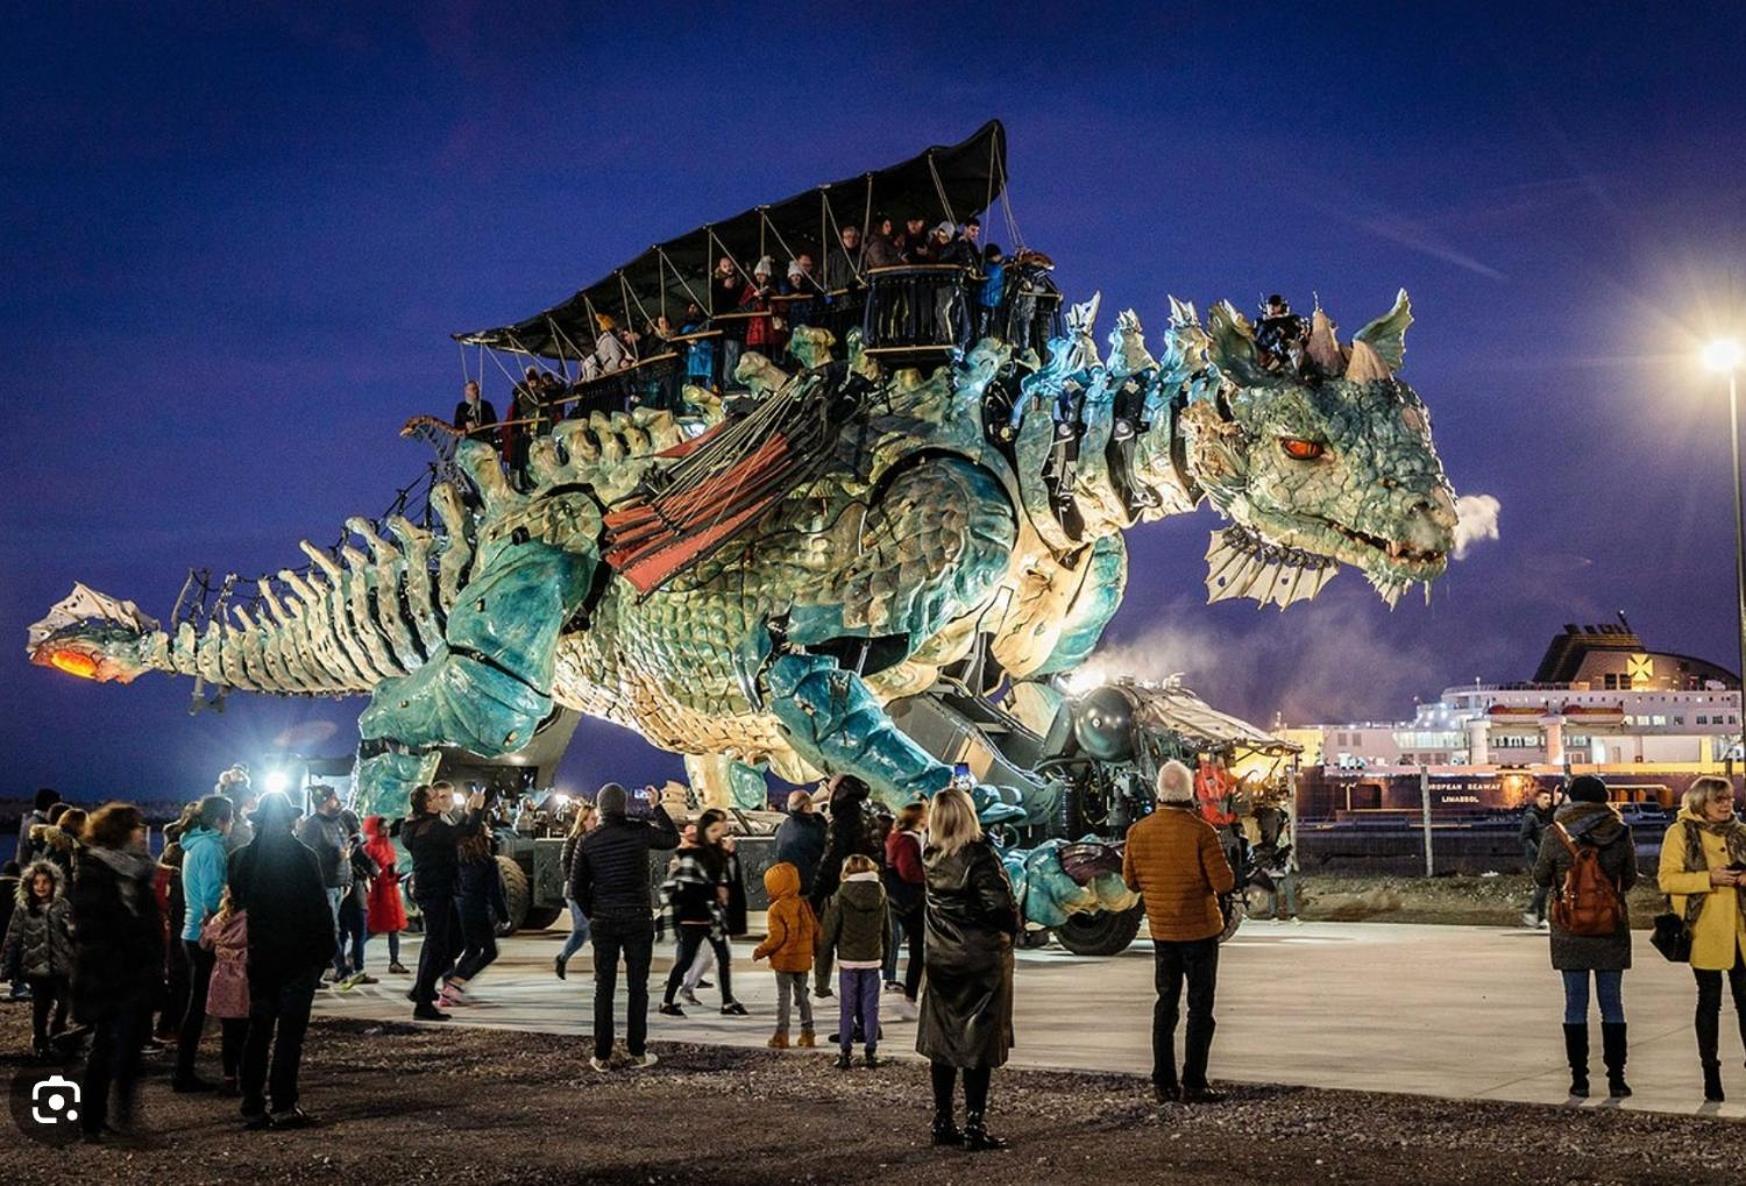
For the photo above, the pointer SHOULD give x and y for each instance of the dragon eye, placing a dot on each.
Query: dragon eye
(1299, 449)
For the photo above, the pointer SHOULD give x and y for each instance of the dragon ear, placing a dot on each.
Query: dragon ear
(1324, 348)
(1233, 345)
(1387, 334)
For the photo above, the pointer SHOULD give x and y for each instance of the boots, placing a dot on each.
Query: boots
(945, 1130)
(806, 1040)
(976, 1136)
(1613, 1050)
(1713, 1083)
(1576, 1050)
(1708, 1043)
(778, 1040)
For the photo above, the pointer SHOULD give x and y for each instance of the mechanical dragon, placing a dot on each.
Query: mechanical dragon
(754, 581)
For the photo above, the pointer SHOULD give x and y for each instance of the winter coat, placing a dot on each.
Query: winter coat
(905, 879)
(53, 844)
(853, 829)
(881, 253)
(479, 890)
(761, 333)
(39, 937)
(8, 901)
(1174, 860)
(791, 929)
(966, 1008)
(1595, 825)
(1718, 934)
(327, 836)
(610, 875)
(204, 866)
(385, 910)
(476, 420)
(994, 286)
(291, 932)
(430, 841)
(118, 948)
(801, 842)
(734, 877)
(853, 929)
(692, 889)
(1533, 832)
(227, 938)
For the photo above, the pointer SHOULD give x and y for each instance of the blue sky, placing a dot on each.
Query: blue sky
(236, 240)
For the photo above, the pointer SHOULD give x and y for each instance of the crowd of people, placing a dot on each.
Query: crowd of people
(256, 905)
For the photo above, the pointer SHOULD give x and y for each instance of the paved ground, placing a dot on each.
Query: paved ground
(1463, 1012)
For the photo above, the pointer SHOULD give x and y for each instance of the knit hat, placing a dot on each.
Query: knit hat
(1175, 783)
(1586, 788)
(611, 800)
(946, 229)
(764, 267)
(794, 269)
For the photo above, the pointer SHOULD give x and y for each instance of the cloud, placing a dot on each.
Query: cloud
(1476, 520)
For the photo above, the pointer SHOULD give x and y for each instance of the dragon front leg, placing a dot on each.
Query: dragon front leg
(487, 686)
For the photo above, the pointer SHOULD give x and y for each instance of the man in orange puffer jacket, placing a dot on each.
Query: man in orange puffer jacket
(1174, 860)
(791, 933)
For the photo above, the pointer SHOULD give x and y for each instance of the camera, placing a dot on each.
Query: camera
(54, 1099)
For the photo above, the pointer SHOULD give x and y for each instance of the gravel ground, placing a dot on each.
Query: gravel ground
(399, 1103)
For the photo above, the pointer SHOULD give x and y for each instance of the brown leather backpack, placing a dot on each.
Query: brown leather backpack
(1589, 902)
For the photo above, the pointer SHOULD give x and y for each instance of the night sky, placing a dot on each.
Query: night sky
(234, 244)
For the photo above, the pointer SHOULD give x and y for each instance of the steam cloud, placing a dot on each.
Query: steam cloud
(1476, 520)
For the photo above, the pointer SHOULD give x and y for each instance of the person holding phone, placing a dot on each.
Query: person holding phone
(609, 880)
(1703, 872)
(431, 841)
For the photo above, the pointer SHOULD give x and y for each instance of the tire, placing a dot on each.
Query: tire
(541, 917)
(1103, 933)
(515, 894)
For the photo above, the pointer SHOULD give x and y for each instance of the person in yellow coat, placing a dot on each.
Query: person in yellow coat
(1703, 871)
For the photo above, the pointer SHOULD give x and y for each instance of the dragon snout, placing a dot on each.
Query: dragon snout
(1430, 520)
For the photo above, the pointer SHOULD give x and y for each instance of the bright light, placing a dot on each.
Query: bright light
(1724, 355)
(561, 799)
(460, 799)
(278, 780)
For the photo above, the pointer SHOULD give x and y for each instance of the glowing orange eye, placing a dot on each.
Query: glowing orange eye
(1299, 449)
(75, 663)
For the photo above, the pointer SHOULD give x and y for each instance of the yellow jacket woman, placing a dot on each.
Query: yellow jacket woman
(1703, 871)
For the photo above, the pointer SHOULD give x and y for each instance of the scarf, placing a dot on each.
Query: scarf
(133, 872)
(1733, 834)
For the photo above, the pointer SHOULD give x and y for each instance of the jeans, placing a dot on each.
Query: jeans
(200, 964)
(278, 1019)
(690, 939)
(858, 1005)
(393, 947)
(113, 1061)
(701, 965)
(893, 925)
(1609, 987)
(791, 990)
(914, 932)
(48, 999)
(437, 953)
(1197, 962)
(635, 939)
(578, 931)
(478, 938)
(352, 927)
(1709, 1007)
(334, 896)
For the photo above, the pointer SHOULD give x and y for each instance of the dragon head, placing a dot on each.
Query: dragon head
(1319, 456)
(96, 637)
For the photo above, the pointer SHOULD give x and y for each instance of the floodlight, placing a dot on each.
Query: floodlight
(278, 780)
(1724, 355)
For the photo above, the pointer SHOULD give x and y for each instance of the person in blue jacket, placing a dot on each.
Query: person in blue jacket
(205, 858)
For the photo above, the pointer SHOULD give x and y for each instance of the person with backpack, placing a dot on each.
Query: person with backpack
(1588, 860)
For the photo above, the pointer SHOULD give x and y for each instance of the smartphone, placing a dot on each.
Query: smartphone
(961, 776)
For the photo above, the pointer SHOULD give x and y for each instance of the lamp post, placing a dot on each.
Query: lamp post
(1724, 356)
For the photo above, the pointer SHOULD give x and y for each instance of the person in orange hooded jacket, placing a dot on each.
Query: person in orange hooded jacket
(791, 934)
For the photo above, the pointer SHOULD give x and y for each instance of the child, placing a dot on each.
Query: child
(792, 931)
(226, 935)
(39, 949)
(854, 931)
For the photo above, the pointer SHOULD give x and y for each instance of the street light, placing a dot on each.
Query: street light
(1724, 356)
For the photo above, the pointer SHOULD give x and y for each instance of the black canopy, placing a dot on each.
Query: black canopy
(953, 182)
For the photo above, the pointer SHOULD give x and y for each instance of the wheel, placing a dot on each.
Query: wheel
(515, 895)
(1105, 932)
(541, 917)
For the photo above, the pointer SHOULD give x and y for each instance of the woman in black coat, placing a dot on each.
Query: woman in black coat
(1588, 823)
(966, 1008)
(118, 952)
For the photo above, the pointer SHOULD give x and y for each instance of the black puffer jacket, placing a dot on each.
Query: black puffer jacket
(1595, 825)
(39, 938)
(278, 881)
(118, 947)
(966, 1009)
(610, 874)
(430, 841)
(853, 829)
